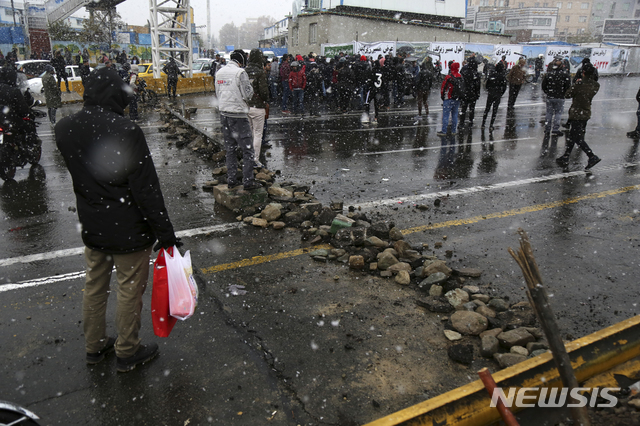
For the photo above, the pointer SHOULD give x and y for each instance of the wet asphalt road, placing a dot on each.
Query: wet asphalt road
(302, 347)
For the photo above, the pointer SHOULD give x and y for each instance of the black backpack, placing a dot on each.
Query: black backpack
(458, 88)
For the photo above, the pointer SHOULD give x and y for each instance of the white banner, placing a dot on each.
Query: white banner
(553, 51)
(510, 51)
(448, 52)
(372, 50)
(601, 59)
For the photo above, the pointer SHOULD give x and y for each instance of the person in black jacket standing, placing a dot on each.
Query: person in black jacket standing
(172, 71)
(59, 65)
(555, 84)
(122, 212)
(496, 85)
(472, 84)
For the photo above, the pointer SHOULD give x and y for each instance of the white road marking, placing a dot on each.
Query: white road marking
(451, 145)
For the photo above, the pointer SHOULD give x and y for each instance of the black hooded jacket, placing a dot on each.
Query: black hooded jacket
(13, 106)
(120, 204)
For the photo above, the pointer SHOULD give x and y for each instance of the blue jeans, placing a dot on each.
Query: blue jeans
(238, 136)
(286, 93)
(450, 107)
(554, 111)
(298, 101)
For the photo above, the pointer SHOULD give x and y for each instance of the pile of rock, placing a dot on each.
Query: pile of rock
(182, 135)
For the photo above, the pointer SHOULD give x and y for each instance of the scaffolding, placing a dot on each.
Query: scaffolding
(171, 34)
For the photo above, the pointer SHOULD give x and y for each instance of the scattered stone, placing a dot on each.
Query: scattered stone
(469, 272)
(481, 297)
(401, 247)
(403, 278)
(507, 360)
(493, 332)
(452, 335)
(435, 304)
(400, 266)
(436, 278)
(338, 252)
(259, 222)
(385, 260)
(437, 245)
(293, 218)
(219, 171)
(467, 322)
(479, 303)
(373, 266)
(319, 252)
(326, 216)
(422, 207)
(469, 306)
(537, 353)
(336, 277)
(337, 205)
(263, 176)
(380, 230)
(515, 337)
(343, 259)
(433, 266)
(277, 225)
(486, 311)
(385, 274)
(536, 346)
(635, 403)
(519, 350)
(248, 219)
(457, 297)
(461, 353)
(218, 157)
(471, 289)
(395, 234)
(535, 332)
(271, 212)
(489, 346)
(435, 290)
(320, 258)
(448, 253)
(312, 207)
(376, 242)
(356, 262)
(499, 305)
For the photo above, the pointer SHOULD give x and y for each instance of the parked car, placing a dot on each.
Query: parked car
(73, 74)
(146, 71)
(33, 67)
(201, 67)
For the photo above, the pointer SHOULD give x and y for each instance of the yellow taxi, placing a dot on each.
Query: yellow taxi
(146, 71)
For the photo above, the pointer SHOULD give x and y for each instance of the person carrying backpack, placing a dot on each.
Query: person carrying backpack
(496, 85)
(423, 87)
(451, 92)
(472, 83)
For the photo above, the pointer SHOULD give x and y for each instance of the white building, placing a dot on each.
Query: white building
(451, 8)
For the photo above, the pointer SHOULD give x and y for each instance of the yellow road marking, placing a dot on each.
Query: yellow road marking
(498, 215)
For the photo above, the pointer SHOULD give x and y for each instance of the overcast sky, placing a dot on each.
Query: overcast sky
(136, 12)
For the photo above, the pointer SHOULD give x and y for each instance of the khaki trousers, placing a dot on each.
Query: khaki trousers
(256, 119)
(132, 273)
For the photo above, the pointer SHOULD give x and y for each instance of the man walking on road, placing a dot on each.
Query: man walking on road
(234, 90)
(172, 71)
(582, 93)
(515, 77)
(555, 84)
(451, 92)
(122, 212)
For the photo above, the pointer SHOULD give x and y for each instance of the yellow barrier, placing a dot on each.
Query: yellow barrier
(198, 84)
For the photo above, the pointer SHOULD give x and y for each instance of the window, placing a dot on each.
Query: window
(542, 22)
(294, 36)
(545, 4)
(584, 6)
(637, 15)
(520, 5)
(582, 19)
(567, 18)
(626, 7)
(536, 4)
(559, 5)
(513, 22)
(313, 33)
(482, 25)
(599, 6)
(569, 5)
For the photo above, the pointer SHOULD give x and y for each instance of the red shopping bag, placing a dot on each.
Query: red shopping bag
(162, 322)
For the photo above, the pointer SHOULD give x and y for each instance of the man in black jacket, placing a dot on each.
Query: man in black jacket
(555, 84)
(496, 85)
(471, 78)
(122, 212)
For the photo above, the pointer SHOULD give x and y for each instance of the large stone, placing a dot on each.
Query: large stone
(403, 278)
(342, 238)
(400, 266)
(457, 297)
(486, 311)
(523, 317)
(356, 262)
(293, 218)
(312, 207)
(516, 337)
(507, 360)
(376, 242)
(395, 234)
(401, 247)
(380, 230)
(489, 346)
(435, 290)
(498, 305)
(238, 199)
(471, 289)
(436, 278)
(461, 353)
(482, 297)
(271, 213)
(536, 346)
(385, 260)
(519, 350)
(279, 192)
(277, 225)
(259, 222)
(469, 272)
(492, 332)
(452, 335)
(435, 304)
(319, 252)
(433, 266)
(326, 216)
(467, 322)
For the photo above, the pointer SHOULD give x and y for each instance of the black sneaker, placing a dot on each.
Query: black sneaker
(562, 161)
(566, 125)
(557, 133)
(233, 185)
(633, 134)
(144, 354)
(592, 162)
(252, 185)
(96, 357)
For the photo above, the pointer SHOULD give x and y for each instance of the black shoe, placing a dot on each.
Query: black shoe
(557, 133)
(566, 125)
(252, 185)
(633, 134)
(96, 357)
(562, 161)
(233, 186)
(592, 162)
(144, 354)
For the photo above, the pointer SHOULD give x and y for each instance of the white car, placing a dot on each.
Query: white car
(201, 67)
(73, 74)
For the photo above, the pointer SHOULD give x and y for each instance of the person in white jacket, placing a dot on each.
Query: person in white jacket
(233, 90)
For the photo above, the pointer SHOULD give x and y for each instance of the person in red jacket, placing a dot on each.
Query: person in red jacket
(297, 84)
(450, 93)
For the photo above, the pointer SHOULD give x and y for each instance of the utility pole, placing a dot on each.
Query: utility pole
(208, 24)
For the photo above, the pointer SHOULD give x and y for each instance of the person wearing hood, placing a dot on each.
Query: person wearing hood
(122, 212)
(555, 84)
(13, 106)
(297, 84)
(172, 71)
(234, 90)
(538, 67)
(52, 94)
(516, 79)
(315, 88)
(472, 83)
(582, 93)
(496, 85)
(423, 86)
(258, 103)
(451, 92)
(285, 70)
(59, 65)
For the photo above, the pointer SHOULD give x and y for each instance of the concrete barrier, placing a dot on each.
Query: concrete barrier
(198, 84)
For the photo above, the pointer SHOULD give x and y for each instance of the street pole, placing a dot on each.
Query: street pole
(208, 24)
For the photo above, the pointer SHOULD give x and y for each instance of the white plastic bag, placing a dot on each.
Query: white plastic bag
(183, 291)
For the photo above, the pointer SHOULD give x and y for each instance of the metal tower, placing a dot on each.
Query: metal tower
(171, 34)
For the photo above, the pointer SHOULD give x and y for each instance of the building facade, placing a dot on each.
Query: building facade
(275, 36)
(526, 24)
